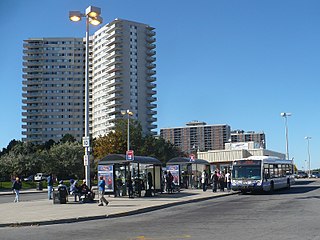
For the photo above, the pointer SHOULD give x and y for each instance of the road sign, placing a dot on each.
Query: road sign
(129, 155)
(85, 142)
(192, 157)
(85, 160)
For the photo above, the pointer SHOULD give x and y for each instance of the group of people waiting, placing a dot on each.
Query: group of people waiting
(219, 180)
(81, 192)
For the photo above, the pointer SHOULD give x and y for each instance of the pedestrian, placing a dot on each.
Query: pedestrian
(102, 189)
(204, 180)
(169, 182)
(50, 186)
(214, 180)
(16, 187)
(221, 182)
(164, 181)
(130, 186)
(228, 180)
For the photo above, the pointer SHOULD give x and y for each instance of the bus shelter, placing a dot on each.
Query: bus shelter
(187, 172)
(116, 170)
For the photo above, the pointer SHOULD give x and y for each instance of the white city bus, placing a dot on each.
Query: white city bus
(261, 173)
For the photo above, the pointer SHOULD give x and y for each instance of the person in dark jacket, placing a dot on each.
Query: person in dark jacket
(16, 187)
(215, 180)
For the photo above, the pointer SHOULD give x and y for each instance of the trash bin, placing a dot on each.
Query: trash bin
(39, 186)
(55, 197)
(63, 194)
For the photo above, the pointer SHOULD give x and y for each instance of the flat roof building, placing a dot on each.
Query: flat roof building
(197, 136)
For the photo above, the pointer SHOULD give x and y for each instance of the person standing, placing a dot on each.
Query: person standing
(102, 189)
(50, 186)
(16, 187)
(215, 179)
(169, 182)
(164, 179)
(204, 181)
(228, 181)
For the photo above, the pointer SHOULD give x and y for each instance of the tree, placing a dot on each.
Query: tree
(65, 160)
(67, 138)
(115, 142)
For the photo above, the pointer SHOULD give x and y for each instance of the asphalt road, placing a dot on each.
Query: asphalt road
(24, 197)
(288, 214)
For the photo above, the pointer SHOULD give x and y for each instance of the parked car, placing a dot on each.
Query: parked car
(28, 179)
(301, 175)
(40, 177)
(315, 175)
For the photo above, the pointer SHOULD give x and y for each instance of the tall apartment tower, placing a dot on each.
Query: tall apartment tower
(53, 89)
(197, 136)
(122, 75)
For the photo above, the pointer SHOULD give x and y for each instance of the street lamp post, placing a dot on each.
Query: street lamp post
(286, 115)
(128, 113)
(92, 15)
(309, 162)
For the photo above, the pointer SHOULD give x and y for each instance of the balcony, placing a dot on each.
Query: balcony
(114, 68)
(153, 119)
(113, 47)
(114, 89)
(151, 79)
(115, 82)
(115, 75)
(152, 105)
(150, 46)
(114, 33)
(151, 92)
(150, 33)
(114, 27)
(151, 85)
(116, 53)
(150, 65)
(150, 59)
(114, 96)
(150, 39)
(151, 112)
(151, 99)
(151, 72)
(151, 52)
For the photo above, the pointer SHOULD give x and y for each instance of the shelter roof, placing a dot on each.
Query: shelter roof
(185, 160)
(121, 159)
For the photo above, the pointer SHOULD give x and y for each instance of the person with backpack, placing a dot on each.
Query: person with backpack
(16, 187)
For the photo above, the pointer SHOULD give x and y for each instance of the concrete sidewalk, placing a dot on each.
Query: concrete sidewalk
(44, 212)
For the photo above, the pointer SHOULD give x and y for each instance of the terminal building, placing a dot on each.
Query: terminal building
(222, 159)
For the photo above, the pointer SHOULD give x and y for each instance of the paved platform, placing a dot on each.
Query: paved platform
(44, 212)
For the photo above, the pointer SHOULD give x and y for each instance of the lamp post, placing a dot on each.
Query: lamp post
(309, 163)
(92, 15)
(128, 113)
(286, 115)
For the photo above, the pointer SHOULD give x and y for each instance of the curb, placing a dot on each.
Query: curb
(116, 215)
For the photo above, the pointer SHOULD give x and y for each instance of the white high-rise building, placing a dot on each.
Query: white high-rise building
(121, 73)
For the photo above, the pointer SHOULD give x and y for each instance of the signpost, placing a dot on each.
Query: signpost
(130, 155)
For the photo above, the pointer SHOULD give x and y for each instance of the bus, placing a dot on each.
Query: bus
(261, 173)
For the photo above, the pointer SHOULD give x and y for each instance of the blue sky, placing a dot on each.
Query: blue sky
(236, 62)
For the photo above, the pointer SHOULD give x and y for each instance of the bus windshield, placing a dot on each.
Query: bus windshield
(247, 172)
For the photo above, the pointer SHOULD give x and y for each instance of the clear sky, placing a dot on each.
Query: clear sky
(236, 62)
